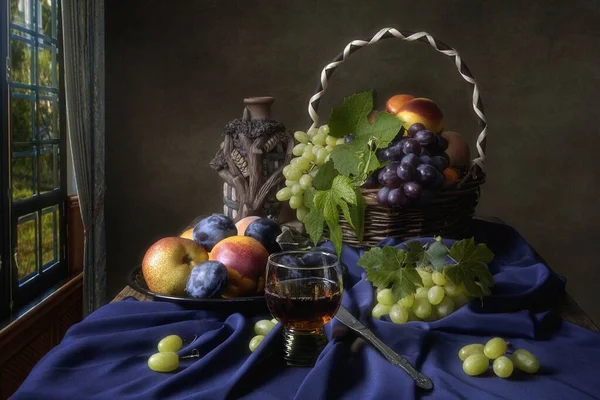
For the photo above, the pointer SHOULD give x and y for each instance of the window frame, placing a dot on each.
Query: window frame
(15, 295)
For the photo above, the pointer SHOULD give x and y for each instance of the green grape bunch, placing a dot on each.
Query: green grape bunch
(312, 151)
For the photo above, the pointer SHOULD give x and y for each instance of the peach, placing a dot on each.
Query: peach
(188, 234)
(246, 261)
(458, 149)
(395, 103)
(168, 263)
(243, 223)
(423, 111)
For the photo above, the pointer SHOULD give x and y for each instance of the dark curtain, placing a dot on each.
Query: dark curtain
(83, 37)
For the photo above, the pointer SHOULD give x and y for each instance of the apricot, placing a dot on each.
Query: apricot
(246, 261)
(424, 111)
(459, 152)
(395, 103)
(451, 175)
(243, 223)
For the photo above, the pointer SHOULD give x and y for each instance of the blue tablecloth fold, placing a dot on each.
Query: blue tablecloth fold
(105, 356)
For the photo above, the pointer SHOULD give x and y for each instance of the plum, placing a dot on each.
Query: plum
(211, 230)
(207, 280)
(266, 231)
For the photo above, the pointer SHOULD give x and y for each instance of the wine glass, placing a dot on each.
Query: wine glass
(303, 290)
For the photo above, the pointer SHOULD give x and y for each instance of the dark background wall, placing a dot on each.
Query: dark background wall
(177, 71)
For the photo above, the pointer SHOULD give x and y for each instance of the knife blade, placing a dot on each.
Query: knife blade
(348, 319)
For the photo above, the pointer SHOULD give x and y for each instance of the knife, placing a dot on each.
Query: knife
(348, 319)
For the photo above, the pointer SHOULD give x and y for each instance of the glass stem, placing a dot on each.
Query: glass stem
(302, 348)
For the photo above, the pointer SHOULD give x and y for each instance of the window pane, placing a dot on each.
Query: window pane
(23, 174)
(44, 67)
(47, 117)
(50, 236)
(20, 57)
(21, 116)
(20, 12)
(27, 240)
(45, 21)
(49, 168)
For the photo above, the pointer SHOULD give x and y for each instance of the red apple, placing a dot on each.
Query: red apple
(243, 223)
(423, 111)
(458, 149)
(246, 262)
(167, 264)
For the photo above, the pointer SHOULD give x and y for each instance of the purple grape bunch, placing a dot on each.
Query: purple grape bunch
(414, 169)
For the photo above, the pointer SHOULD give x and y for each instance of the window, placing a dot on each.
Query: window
(32, 153)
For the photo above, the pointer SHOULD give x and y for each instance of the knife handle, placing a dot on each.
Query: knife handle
(421, 380)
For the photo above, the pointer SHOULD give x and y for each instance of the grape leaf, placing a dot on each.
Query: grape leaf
(470, 267)
(342, 187)
(354, 110)
(347, 157)
(324, 178)
(436, 255)
(388, 267)
(415, 251)
(384, 129)
(308, 198)
(335, 235)
(357, 215)
(313, 222)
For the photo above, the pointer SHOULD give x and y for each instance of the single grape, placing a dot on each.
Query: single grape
(371, 182)
(425, 138)
(321, 155)
(349, 138)
(412, 190)
(340, 141)
(422, 308)
(439, 162)
(329, 148)
(435, 295)
(324, 129)
(316, 148)
(380, 310)
(301, 213)
(296, 202)
(312, 132)
(411, 146)
(475, 364)
(503, 367)
(442, 143)
(327, 158)
(255, 342)
(302, 163)
(306, 181)
(382, 155)
(438, 183)
(426, 174)
(421, 293)
(525, 361)
(285, 169)
(425, 159)
(410, 159)
(294, 174)
(466, 351)
(445, 308)
(406, 172)
(263, 327)
(297, 189)
(298, 149)
(398, 314)
(163, 362)
(382, 196)
(438, 278)
(460, 300)
(407, 301)
(308, 153)
(452, 290)
(395, 152)
(386, 297)
(425, 277)
(301, 137)
(289, 183)
(397, 198)
(414, 128)
(433, 316)
(171, 343)
(319, 139)
(331, 141)
(284, 194)
(494, 348)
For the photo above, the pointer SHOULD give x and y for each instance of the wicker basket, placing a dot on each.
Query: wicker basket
(451, 212)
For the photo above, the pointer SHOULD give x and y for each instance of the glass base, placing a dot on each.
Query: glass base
(302, 348)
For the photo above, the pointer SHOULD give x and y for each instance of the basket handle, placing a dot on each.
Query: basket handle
(388, 33)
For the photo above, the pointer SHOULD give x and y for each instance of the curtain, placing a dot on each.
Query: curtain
(83, 42)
